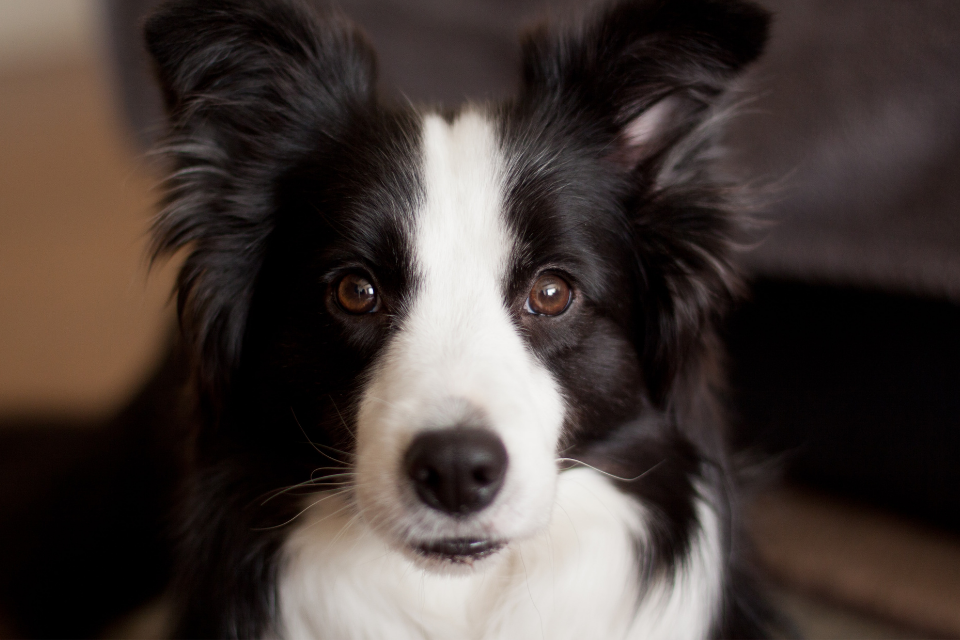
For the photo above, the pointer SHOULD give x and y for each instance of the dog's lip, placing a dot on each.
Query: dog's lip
(461, 550)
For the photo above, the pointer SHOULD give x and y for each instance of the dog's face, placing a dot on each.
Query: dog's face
(445, 304)
(482, 363)
(467, 301)
(459, 418)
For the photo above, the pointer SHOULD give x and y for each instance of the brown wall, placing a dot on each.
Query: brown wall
(81, 322)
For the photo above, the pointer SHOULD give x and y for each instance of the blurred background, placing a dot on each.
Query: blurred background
(845, 361)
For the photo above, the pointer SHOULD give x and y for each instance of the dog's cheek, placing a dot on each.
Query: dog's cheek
(383, 431)
(601, 380)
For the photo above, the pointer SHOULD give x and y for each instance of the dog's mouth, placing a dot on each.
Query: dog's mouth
(459, 550)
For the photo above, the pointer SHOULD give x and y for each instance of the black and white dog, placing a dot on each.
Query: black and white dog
(456, 369)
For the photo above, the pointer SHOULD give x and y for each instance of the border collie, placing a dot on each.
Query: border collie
(456, 369)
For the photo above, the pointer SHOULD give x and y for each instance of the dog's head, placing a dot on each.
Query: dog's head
(445, 301)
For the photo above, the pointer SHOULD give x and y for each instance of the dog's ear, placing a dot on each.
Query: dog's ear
(646, 71)
(249, 85)
(643, 80)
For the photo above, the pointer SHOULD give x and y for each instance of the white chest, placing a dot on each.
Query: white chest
(579, 579)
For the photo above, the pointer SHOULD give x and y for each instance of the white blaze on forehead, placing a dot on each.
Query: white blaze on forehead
(458, 353)
(462, 243)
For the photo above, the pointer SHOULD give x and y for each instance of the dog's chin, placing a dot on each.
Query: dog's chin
(454, 556)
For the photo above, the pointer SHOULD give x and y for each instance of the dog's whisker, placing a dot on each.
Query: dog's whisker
(278, 492)
(342, 474)
(312, 482)
(331, 494)
(566, 449)
(316, 446)
(610, 475)
(349, 523)
(346, 506)
(342, 469)
(334, 449)
(323, 482)
(344, 422)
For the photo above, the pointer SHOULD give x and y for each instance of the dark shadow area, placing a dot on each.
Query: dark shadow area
(84, 512)
(860, 390)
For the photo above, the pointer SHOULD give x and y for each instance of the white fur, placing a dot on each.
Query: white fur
(458, 354)
(576, 580)
(687, 605)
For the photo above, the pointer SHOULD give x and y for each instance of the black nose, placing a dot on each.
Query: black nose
(458, 471)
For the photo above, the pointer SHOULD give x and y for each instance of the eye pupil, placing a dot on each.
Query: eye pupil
(550, 295)
(356, 294)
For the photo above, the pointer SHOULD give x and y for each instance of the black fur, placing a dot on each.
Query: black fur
(287, 173)
(250, 89)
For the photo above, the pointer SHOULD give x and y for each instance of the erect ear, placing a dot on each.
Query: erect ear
(250, 85)
(645, 70)
(640, 81)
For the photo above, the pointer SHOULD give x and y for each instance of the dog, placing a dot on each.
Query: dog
(456, 371)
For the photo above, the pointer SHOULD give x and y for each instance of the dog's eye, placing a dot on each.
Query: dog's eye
(550, 296)
(356, 294)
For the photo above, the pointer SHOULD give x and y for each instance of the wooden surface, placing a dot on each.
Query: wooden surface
(869, 560)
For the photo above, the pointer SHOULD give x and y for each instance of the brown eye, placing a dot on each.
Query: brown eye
(356, 294)
(550, 296)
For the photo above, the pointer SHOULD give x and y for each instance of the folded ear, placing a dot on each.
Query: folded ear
(249, 85)
(640, 81)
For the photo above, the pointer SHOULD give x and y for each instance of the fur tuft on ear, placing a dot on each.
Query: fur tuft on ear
(646, 68)
(643, 79)
(250, 86)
